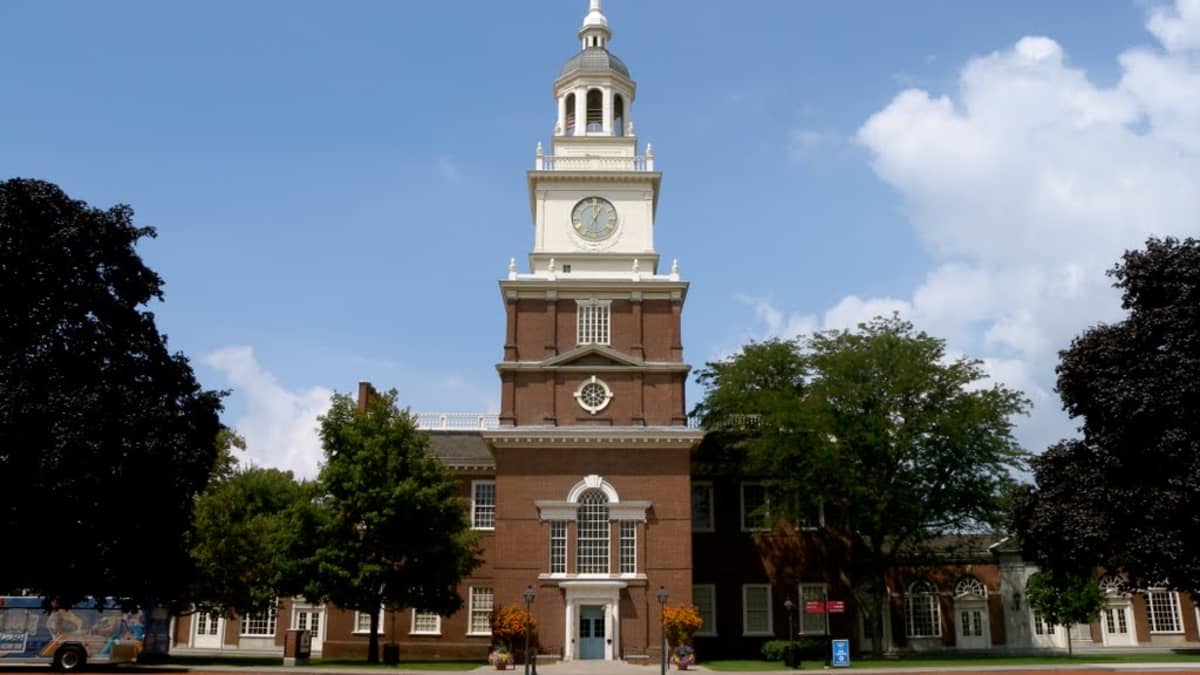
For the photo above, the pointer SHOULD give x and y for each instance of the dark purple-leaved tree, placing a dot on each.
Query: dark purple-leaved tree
(106, 438)
(1126, 497)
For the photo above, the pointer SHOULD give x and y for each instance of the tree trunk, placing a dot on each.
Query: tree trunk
(1069, 653)
(373, 639)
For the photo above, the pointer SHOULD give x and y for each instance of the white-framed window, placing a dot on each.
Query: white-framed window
(592, 324)
(811, 624)
(593, 395)
(483, 504)
(1041, 626)
(261, 623)
(628, 548)
(426, 623)
(921, 612)
(362, 623)
(704, 596)
(1163, 608)
(481, 602)
(812, 518)
(756, 507)
(702, 507)
(558, 547)
(592, 533)
(756, 610)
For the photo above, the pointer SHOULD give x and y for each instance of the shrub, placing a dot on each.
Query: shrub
(810, 650)
(680, 624)
(508, 624)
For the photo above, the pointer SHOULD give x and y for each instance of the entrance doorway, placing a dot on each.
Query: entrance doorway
(1116, 625)
(972, 625)
(309, 618)
(591, 632)
(207, 630)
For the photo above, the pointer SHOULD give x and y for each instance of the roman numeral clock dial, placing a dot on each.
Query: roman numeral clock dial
(594, 218)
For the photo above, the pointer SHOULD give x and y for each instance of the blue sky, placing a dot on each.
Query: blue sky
(338, 186)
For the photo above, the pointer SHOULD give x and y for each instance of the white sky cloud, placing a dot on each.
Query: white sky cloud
(1027, 184)
(279, 425)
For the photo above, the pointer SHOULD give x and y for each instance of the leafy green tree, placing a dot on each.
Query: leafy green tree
(226, 463)
(395, 532)
(244, 540)
(897, 442)
(1064, 599)
(106, 437)
(1126, 497)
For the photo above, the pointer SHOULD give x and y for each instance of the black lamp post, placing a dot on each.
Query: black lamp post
(788, 605)
(529, 595)
(662, 620)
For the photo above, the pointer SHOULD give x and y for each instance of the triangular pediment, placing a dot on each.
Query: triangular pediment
(593, 355)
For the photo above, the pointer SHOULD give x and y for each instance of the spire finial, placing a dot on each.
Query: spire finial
(595, 32)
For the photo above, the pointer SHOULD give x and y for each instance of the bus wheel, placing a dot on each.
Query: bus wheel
(70, 658)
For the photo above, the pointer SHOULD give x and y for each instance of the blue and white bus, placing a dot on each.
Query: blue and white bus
(70, 638)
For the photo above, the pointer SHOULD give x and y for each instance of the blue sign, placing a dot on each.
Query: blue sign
(841, 653)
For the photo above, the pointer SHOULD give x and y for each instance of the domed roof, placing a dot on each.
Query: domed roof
(593, 60)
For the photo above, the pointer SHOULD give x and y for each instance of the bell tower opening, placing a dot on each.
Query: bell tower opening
(570, 115)
(618, 115)
(595, 111)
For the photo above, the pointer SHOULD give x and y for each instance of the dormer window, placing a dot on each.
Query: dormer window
(592, 323)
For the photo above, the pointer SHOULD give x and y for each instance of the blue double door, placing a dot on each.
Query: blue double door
(591, 632)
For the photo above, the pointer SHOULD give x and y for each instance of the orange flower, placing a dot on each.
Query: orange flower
(508, 624)
(680, 623)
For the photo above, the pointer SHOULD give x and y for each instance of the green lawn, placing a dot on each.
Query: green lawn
(251, 661)
(742, 665)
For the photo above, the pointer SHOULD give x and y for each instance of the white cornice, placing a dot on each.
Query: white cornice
(650, 366)
(535, 177)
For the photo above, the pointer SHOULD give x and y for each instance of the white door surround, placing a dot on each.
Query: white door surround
(311, 618)
(208, 630)
(603, 592)
(1116, 623)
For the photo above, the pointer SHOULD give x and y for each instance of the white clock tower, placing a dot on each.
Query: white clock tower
(593, 197)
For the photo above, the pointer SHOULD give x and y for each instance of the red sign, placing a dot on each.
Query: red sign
(819, 607)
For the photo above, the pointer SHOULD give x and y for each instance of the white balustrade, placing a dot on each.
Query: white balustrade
(564, 163)
(443, 421)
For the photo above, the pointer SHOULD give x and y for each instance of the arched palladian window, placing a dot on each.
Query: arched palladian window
(921, 617)
(595, 110)
(570, 122)
(618, 115)
(1110, 585)
(592, 533)
(970, 588)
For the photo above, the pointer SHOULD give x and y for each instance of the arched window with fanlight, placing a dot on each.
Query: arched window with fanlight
(592, 533)
(921, 615)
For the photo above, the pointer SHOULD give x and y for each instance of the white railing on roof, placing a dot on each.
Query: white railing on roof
(564, 163)
(431, 421)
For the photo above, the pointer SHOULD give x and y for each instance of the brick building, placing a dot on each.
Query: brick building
(583, 486)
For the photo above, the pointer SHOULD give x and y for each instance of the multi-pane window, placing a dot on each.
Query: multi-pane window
(593, 321)
(628, 547)
(483, 504)
(558, 546)
(811, 623)
(362, 622)
(1115, 618)
(1163, 607)
(482, 601)
(260, 623)
(1041, 626)
(704, 597)
(591, 549)
(206, 623)
(702, 507)
(755, 507)
(309, 621)
(756, 609)
(921, 610)
(426, 623)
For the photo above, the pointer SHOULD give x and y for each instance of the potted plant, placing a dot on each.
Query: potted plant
(684, 656)
(500, 657)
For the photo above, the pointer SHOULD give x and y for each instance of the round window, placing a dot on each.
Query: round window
(593, 395)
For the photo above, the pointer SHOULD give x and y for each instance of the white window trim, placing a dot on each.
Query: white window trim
(742, 500)
(705, 629)
(473, 525)
(770, 612)
(594, 409)
(566, 540)
(824, 598)
(621, 524)
(412, 628)
(471, 609)
(820, 520)
(244, 622)
(579, 313)
(925, 596)
(712, 509)
(379, 628)
(1150, 612)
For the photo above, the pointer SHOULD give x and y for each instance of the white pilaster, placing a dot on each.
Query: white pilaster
(607, 98)
(580, 111)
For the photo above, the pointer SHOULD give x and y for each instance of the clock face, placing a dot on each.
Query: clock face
(594, 218)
